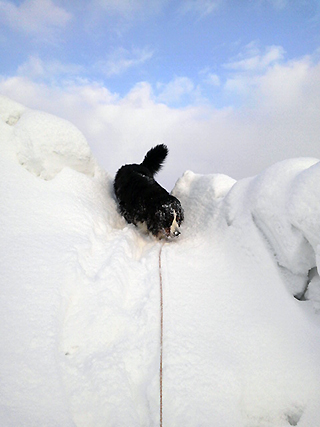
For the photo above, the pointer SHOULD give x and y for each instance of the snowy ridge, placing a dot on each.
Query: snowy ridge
(80, 293)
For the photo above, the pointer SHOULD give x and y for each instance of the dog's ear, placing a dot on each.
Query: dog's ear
(158, 217)
(153, 223)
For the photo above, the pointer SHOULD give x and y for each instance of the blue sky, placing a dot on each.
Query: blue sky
(231, 86)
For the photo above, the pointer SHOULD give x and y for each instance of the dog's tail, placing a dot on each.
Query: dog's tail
(154, 158)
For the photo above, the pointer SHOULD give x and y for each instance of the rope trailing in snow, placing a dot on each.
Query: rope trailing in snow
(161, 330)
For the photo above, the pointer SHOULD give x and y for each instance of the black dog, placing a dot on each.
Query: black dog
(142, 201)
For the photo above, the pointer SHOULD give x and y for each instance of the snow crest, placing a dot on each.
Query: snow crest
(80, 293)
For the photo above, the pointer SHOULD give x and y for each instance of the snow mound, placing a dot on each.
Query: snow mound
(200, 194)
(80, 293)
(283, 203)
(45, 144)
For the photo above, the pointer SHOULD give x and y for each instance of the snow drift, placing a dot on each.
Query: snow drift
(80, 293)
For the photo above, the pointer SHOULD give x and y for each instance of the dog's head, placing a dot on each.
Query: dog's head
(169, 218)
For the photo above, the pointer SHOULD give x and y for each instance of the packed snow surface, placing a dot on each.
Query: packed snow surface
(80, 302)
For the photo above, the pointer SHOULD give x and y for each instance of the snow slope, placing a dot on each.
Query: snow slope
(80, 293)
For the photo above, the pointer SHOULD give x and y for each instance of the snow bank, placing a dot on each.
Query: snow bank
(80, 293)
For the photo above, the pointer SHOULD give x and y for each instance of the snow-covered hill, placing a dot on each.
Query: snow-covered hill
(80, 293)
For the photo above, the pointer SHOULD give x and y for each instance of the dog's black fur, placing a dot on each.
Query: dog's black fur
(142, 201)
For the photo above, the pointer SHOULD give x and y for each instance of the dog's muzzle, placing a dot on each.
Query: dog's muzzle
(174, 229)
(170, 232)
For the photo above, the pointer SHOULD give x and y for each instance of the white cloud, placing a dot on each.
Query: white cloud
(253, 59)
(175, 90)
(287, 86)
(249, 65)
(122, 59)
(33, 17)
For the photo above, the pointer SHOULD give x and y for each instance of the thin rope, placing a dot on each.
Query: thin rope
(161, 331)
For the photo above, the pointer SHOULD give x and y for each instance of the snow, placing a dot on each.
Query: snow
(80, 298)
